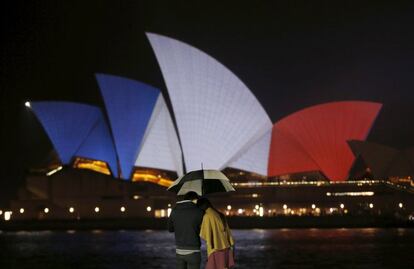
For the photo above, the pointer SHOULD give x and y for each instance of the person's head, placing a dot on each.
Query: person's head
(191, 196)
(204, 203)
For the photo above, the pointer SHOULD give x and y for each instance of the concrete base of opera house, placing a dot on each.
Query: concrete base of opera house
(234, 222)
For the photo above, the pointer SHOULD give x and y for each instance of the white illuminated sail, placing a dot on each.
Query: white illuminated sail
(256, 157)
(217, 115)
(160, 146)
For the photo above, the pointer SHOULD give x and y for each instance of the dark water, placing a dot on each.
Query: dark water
(285, 248)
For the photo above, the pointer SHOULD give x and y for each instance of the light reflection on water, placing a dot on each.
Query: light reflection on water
(283, 248)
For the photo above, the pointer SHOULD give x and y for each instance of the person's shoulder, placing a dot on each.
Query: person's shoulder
(211, 212)
(212, 215)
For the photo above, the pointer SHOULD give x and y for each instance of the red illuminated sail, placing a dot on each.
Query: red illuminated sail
(316, 138)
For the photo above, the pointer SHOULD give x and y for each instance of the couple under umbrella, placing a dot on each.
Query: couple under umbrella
(193, 217)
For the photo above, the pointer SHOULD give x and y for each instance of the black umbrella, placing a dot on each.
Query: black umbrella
(202, 182)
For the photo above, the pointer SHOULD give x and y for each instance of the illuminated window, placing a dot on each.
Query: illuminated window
(261, 211)
(148, 176)
(94, 165)
(355, 193)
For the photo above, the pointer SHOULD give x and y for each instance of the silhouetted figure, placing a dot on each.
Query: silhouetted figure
(185, 221)
(217, 234)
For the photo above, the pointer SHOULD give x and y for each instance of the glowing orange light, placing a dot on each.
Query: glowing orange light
(94, 165)
(148, 177)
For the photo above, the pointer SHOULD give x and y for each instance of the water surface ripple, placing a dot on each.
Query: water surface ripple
(283, 248)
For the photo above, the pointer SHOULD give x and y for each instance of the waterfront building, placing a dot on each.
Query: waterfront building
(301, 165)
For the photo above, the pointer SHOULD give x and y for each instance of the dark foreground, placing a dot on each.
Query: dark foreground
(284, 248)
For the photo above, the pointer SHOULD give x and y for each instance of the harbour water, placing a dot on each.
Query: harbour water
(280, 248)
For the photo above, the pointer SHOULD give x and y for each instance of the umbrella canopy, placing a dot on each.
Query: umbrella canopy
(202, 182)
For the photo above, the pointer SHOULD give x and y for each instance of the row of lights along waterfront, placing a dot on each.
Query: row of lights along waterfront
(72, 210)
(258, 209)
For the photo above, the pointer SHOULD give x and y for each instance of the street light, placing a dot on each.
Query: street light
(7, 215)
(313, 206)
(46, 210)
(342, 206)
(21, 210)
(371, 205)
(122, 208)
(27, 104)
(400, 205)
(149, 208)
(97, 209)
(71, 209)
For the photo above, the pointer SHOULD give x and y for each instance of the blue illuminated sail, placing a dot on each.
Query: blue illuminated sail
(129, 105)
(67, 125)
(99, 145)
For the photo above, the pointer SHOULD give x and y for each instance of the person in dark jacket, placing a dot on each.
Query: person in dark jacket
(185, 221)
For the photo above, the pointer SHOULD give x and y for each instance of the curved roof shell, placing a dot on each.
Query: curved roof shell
(160, 147)
(316, 138)
(77, 130)
(217, 116)
(256, 157)
(384, 161)
(129, 105)
(377, 157)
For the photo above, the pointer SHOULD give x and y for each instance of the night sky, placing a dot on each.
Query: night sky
(290, 55)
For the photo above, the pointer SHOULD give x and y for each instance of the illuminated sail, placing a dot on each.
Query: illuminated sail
(316, 138)
(160, 146)
(218, 117)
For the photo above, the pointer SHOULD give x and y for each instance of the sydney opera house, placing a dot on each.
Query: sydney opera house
(116, 161)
